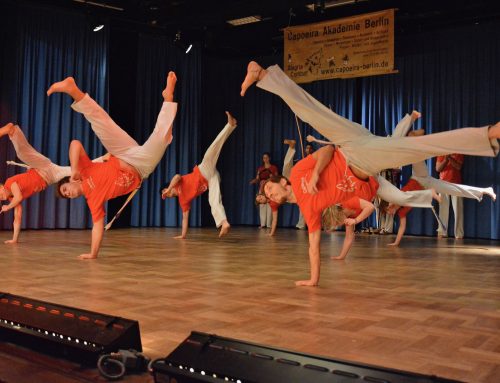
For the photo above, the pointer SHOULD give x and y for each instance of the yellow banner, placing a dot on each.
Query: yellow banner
(352, 47)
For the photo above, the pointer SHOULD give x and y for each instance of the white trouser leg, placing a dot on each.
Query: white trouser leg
(117, 142)
(457, 190)
(301, 222)
(49, 171)
(338, 129)
(263, 214)
(403, 127)
(269, 215)
(390, 193)
(458, 210)
(209, 163)
(288, 162)
(444, 213)
(215, 199)
(373, 154)
(364, 150)
(387, 223)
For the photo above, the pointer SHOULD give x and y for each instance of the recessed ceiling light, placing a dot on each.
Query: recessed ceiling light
(245, 20)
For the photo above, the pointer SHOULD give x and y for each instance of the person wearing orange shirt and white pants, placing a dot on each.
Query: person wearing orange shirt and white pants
(42, 172)
(449, 168)
(128, 163)
(204, 176)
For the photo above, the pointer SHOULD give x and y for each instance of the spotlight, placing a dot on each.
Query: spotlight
(189, 48)
(97, 28)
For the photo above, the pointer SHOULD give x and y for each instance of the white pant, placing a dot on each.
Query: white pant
(266, 215)
(50, 172)
(390, 193)
(287, 168)
(364, 150)
(288, 162)
(208, 168)
(387, 223)
(117, 142)
(444, 214)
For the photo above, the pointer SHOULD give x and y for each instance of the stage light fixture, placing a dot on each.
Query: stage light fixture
(98, 27)
(245, 20)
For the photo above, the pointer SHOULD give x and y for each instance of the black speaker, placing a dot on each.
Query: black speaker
(210, 358)
(69, 332)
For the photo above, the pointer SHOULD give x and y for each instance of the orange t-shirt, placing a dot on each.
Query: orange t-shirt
(449, 173)
(336, 184)
(189, 187)
(412, 184)
(274, 205)
(103, 181)
(30, 183)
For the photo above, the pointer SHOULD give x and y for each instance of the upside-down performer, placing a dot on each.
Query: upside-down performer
(365, 153)
(204, 176)
(421, 180)
(41, 173)
(128, 163)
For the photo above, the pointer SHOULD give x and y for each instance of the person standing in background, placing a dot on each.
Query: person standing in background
(450, 169)
(265, 171)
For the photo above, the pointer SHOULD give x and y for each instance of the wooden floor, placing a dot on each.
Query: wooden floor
(430, 306)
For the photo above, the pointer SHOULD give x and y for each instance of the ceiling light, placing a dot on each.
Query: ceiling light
(330, 4)
(245, 20)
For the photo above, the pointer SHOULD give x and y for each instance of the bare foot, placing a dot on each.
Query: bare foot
(6, 129)
(394, 244)
(87, 256)
(494, 131)
(230, 119)
(254, 73)
(306, 283)
(415, 115)
(224, 228)
(10, 242)
(491, 193)
(436, 196)
(179, 237)
(338, 258)
(168, 92)
(290, 143)
(65, 86)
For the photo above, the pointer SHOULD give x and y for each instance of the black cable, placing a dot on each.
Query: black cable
(108, 360)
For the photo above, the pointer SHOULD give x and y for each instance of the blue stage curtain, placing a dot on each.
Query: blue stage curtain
(40, 47)
(156, 57)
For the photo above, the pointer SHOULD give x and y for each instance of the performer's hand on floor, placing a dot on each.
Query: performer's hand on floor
(306, 283)
(87, 256)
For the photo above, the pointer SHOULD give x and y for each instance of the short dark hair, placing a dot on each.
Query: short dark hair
(57, 190)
